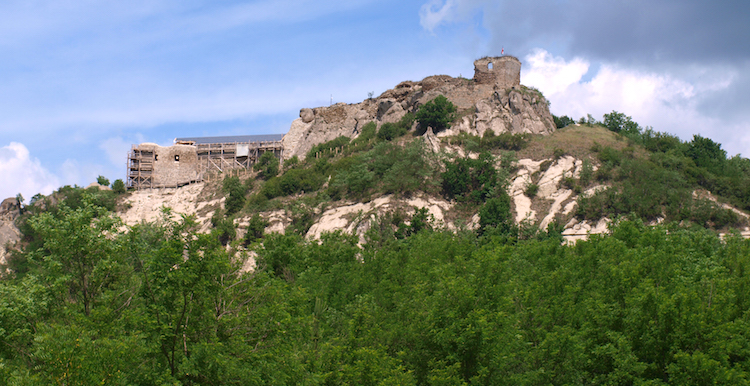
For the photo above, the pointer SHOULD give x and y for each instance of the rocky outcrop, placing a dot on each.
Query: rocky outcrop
(9, 233)
(493, 100)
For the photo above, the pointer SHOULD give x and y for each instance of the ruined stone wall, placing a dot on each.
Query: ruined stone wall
(501, 71)
(176, 165)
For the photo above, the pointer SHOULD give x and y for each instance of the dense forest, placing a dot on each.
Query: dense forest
(88, 300)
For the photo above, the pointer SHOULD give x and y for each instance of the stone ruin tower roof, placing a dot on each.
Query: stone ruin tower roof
(501, 71)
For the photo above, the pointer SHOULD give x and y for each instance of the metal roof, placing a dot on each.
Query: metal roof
(232, 139)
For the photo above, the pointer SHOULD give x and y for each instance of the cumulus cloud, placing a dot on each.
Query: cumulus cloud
(664, 101)
(20, 173)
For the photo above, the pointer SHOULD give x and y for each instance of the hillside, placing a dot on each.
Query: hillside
(429, 249)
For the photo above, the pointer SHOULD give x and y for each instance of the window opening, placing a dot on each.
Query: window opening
(176, 157)
(489, 66)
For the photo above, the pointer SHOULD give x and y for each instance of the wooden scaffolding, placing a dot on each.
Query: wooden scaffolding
(141, 168)
(214, 154)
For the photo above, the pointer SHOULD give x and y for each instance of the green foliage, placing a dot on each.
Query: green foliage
(224, 229)
(470, 180)
(368, 131)
(706, 154)
(235, 191)
(397, 169)
(619, 122)
(267, 165)
(640, 305)
(118, 186)
(437, 113)
(328, 149)
(255, 228)
(495, 214)
(531, 190)
(77, 253)
(390, 131)
(489, 141)
(292, 162)
(103, 181)
(563, 121)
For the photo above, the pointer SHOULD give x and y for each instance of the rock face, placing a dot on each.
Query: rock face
(9, 234)
(493, 100)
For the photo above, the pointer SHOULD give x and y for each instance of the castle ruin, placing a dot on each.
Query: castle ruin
(503, 72)
(190, 160)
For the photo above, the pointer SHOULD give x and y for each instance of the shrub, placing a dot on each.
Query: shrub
(531, 190)
(267, 165)
(255, 229)
(118, 186)
(235, 191)
(495, 213)
(587, 172)
(389, 131)
(368, 132)
(437, 113)
(469, 179)
(103, 181)
(619, 122)
(223, 228)
(327, 149)
(563, 121)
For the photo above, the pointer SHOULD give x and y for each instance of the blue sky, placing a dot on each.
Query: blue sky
(80, 81)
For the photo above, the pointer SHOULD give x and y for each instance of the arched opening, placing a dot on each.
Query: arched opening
(177, 157)
(489, 65)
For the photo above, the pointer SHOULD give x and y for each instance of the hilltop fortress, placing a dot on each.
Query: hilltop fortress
(493, 100)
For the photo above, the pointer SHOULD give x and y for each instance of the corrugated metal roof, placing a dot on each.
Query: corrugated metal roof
(232, 139)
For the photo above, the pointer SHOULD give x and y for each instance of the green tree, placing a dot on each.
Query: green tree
(103, 181)
(495, 213)
(235, 191)
(389, 131)
(118, 186)
(267, 165)
(619, 122)
(77, 252)
(437, 113)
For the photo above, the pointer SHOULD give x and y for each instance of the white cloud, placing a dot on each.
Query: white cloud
(20, 173)
(435, 12)
(661, 100)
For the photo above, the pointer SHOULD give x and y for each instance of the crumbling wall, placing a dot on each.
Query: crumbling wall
(176, 165)
(503, 72)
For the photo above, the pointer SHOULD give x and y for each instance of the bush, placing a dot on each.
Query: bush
(255, 229)
(223, 228)
(118, 186)
(437, 113)
(619, 122)
(531, 190)
(563, 121)
(368, 132)
(470, 180)
(235, 191)
(389, 131)
(495, 213)
(327, 149)
(267, 165)
(103, 181)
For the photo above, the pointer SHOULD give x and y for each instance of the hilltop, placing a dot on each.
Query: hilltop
(439, 243)
(350, 166)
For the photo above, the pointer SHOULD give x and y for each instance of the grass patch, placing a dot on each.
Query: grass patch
(576, 140)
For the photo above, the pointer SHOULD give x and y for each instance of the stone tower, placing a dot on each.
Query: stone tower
(501, 71)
